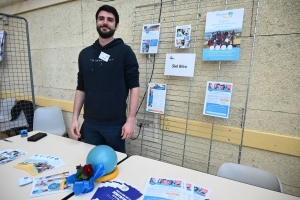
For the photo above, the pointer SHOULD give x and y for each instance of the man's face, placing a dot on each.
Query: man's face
(106, 24)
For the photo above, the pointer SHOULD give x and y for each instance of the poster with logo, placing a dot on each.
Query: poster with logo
(156, 98)
(180, 64)
(150, 38)
(222, 38)
(217, 99)
(183, 36)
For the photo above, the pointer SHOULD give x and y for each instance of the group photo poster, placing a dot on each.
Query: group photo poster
(156, 98)
(150, 38)
(222, 38)
(217, 99)
(180, 64)
(183, 36)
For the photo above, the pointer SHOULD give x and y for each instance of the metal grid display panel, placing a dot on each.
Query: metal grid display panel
(16, 71)
(185, 96)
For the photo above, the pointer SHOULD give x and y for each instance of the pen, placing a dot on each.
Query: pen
(7, 140)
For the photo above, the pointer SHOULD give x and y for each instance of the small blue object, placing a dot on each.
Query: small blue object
(24, 133)
(103, 154)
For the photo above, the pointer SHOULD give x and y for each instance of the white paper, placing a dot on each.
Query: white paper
(51, 184)
(10, 155)
(163, 188)
(40, 163)
(180, 64)
(173, 188)
(183, 36)
(2, 38)
(156, 98)
(217, 99)
(150, 38)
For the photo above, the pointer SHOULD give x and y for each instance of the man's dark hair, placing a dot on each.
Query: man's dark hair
(109, 9)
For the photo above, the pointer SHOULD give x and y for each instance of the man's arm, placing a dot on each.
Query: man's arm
(128, 128)
(78, 103)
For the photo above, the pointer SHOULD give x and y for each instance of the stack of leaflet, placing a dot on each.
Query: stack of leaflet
(10, 155)
(40, 163)
(171, 188)
(116, 190)
(51, 184)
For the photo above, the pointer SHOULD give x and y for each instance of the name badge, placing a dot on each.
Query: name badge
(104, 56)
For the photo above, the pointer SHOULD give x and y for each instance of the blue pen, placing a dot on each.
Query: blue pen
(7, 140)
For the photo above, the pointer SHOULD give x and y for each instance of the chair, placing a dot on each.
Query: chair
(50, 120)
(250, 175)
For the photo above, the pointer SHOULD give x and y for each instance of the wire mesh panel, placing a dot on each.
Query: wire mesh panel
(183, 135)
(16, 85)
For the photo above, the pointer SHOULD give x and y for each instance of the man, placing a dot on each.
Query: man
(107, 71)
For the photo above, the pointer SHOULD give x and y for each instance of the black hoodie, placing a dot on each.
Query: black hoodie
(106, 84)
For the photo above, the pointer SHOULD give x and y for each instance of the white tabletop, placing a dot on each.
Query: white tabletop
(136, 169)
(70, 151)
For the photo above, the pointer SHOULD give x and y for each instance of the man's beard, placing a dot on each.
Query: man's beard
(105, 34)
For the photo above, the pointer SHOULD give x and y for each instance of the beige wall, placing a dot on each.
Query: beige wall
(58, 33)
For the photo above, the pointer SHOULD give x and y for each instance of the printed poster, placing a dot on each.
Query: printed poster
(156, 98)
(180, 64)
(150, 38)
(2, 36)
(183, 36)
(222, 38)
(163, 188)
(51, 184)
(40, 163)
(10, 155)
(217, 99)
(116, 190)
(158, 188)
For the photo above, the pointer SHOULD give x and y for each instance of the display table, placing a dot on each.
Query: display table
(136, 169)
(72, 152)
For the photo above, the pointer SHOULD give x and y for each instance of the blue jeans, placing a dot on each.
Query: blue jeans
(98, 134)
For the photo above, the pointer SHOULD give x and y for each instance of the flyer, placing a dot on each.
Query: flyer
(156, 98)
(157, 188)
(116, 190)
(180, 64)
(40, 163)
(150, 38)
(50, 184)
(222, 38)
(10, 155)
(196, 192)
(217, 99)
(183, 36)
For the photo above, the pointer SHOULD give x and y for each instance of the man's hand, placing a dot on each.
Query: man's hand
(128, 129)
(75, 129)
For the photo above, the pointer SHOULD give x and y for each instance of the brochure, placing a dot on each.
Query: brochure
(183, 36)
(156, 98)
(222, 38)
(10, 155)
(116, 190)
(150, 38)
(51, 184)
(158, 188)
(217, 99)
(40, 163)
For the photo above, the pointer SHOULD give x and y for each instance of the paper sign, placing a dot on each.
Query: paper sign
(180, 64)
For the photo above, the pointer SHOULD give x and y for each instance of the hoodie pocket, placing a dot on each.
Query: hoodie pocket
(101, 105)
